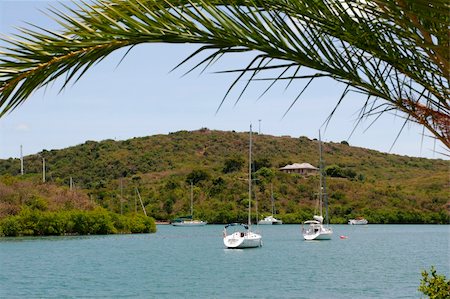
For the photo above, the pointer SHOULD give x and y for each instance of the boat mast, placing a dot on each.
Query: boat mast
(250, 177)
(323, 184)
(140, 199)
(271, 197)
(321, 176)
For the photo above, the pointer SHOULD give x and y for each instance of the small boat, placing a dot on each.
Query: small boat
(241, 239)
(358, 221)
(188, 220)
(270, 219)
(315, 229)
(244, 238)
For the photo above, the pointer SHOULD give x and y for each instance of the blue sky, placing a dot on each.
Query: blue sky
(141, 97)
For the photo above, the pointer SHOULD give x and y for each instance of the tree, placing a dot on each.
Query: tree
(434, 286)
(196, 176)
(393, 51)
(232, 165)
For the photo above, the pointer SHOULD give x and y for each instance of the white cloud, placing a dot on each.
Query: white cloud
(22, 127)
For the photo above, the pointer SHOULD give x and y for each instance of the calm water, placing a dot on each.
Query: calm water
(376, 261)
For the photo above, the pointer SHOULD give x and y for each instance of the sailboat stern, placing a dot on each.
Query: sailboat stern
(314, 230)
(242, 239)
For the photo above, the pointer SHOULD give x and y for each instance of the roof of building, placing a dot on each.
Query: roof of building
(299, 166)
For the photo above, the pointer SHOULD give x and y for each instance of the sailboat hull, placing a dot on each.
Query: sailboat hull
(316, 231)
(242, 240)
(190, 223)
(270, 220)
(319, 236)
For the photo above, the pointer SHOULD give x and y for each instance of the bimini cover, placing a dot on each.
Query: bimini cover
(318, 218)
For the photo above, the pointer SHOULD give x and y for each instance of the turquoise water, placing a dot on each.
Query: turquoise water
(376, 261)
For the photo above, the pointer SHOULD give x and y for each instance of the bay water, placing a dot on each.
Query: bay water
(375, 261)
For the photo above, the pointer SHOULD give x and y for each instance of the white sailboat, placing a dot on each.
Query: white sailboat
(188, 220)
(271, 220)
(245, 238)
(315, 229)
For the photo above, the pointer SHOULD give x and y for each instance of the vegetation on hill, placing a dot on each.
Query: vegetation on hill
(381, 187)
(30, 208)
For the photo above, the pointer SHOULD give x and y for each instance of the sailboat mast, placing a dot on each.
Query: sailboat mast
(321, 176)
(250, 177)
(271, 198)
(323, 184)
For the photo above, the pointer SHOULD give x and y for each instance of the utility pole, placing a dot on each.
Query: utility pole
(135, 200)
(259, 127)
(121, 196)
(43, 169)
(21, 160)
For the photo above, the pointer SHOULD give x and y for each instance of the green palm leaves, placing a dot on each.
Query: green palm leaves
(394, 51)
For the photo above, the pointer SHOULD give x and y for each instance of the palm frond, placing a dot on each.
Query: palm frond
(393, 50)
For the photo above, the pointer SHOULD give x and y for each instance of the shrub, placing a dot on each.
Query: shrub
(10, 226)
(434, 286)
(37, 203)
(232, 165)
(100, 222)
(196, 176)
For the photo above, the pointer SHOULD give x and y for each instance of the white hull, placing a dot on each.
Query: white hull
(358, 222)
(318, 236)
(262, 222)
(190, 223)
(242, 240)
(316, 231)
(270, 221)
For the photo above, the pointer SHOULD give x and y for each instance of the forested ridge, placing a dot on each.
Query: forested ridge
(384, 188)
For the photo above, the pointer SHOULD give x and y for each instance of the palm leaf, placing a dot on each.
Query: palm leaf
(395, 51)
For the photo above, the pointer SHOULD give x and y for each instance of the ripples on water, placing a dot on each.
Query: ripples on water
(376, 261)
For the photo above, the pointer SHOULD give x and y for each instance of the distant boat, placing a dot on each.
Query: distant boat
(358, 221)
(188, 220)
(315, 229)
(244, 238)
(270, 219)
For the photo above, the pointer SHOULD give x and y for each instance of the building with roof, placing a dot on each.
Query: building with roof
(303, 169)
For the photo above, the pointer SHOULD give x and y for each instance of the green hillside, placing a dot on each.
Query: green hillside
(382, 187)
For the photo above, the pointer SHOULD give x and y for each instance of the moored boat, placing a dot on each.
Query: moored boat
(315, 229)
(245, 238)
(188, 221)
(358, 221)
(241, 239)
(270, 220)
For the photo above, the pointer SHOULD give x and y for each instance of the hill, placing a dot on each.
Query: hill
(382, 187)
